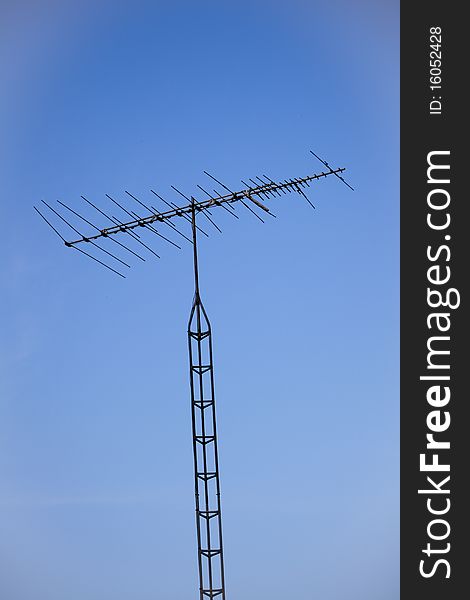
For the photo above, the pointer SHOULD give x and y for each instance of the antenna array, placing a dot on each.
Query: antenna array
(161, 223)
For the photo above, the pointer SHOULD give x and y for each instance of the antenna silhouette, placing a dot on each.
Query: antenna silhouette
(130, 226)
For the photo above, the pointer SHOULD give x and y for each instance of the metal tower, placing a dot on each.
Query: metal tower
(206, 459)
(201, 367)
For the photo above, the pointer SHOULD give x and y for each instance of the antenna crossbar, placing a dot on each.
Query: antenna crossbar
(251, 193)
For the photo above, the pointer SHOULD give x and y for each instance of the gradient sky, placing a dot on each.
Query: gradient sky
(96, 488)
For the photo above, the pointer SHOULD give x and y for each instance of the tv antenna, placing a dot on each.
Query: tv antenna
(201, 369)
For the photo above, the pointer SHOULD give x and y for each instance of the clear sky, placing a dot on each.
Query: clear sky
(96, 485)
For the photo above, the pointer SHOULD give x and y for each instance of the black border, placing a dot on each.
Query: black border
(421, 133)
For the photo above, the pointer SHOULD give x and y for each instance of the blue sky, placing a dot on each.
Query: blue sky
(96, 495)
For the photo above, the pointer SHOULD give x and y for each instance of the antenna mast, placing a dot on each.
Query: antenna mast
(206, 459)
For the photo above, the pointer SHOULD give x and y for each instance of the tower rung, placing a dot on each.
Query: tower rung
(200, 369)
(210, 553)
(204, 439)
(212, 593)
(203, 403)
(199, 336)
(208, 514)
(207, 476)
